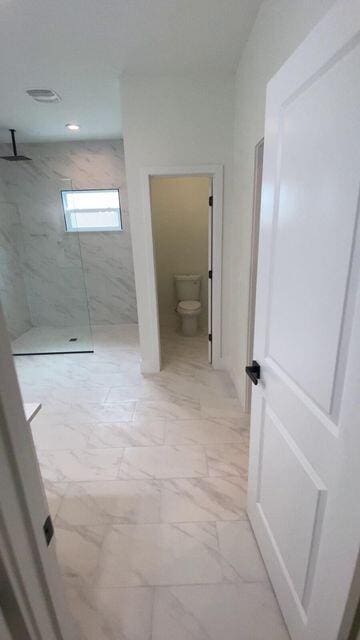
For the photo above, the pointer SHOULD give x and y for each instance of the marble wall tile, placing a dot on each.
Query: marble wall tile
(12, 286)
(70, 278)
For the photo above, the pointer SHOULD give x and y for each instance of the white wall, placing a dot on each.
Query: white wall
(172, 121)
(179, 208)
(181, 121)
(280, 27)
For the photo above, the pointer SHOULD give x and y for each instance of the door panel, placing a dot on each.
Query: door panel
(304, 474)
(300, 499)
(317, 182)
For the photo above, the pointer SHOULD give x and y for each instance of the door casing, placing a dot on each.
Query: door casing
(148, 288)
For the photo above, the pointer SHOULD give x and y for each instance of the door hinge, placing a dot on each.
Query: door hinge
(211, 201)
(48, 530)
(210, 274)
(210, 337)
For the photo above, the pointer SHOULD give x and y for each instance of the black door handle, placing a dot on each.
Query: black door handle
(253, 372)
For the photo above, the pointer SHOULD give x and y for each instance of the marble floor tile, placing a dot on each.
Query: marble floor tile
(163, 409)
(79, 392)
(163, 462)
(112, 411)
(78, 550)
(146, 480)
(159, 554)
(127, 434)
(60, 436)
(210, 612)
(80, 465)
(202, 499)
(227, 460)
(242, 561)
(111, 614)
(218, 382)
(156, 387)
(55, 492)
(67, 412)
(200, 432)
(120, 501)
(216, 407)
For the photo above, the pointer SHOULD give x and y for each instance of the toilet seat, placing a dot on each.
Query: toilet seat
(189, 306)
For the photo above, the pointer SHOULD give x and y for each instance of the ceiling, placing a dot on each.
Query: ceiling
(80, 49)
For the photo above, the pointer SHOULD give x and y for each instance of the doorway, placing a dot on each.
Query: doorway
(150, 334)
(181, 209)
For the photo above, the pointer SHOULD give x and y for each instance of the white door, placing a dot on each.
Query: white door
(31, 591)
(210, 266)
(304, 476)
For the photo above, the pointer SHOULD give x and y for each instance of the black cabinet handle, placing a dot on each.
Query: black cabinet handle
(253, 372)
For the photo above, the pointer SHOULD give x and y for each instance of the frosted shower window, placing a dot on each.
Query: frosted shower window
(92, 210)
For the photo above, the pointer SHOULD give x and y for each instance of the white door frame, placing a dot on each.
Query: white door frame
(149, 286)
(30, 580)
(258, 162)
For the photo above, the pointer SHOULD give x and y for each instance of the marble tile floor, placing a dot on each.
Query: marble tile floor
(146, 481)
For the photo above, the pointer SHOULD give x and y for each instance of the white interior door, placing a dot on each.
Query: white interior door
(304, 476)
(210, 266)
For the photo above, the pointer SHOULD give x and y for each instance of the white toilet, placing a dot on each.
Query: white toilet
(189, 305)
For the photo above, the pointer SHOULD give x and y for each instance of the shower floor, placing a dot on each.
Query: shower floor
(53, 340)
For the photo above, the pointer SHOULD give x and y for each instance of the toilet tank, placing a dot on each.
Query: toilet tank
(187, 287)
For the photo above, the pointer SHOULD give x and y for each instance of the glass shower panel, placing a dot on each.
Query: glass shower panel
(42, 288)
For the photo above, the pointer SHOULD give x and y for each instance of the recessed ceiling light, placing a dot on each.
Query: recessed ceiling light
(73, 127)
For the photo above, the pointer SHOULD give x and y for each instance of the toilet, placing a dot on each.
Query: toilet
(189, 306)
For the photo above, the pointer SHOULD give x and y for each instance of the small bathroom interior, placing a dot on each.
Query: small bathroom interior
(180, 223)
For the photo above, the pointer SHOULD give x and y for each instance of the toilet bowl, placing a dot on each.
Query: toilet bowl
(187, 289)
(189, 310)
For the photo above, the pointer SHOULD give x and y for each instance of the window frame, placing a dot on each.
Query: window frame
(67, 212)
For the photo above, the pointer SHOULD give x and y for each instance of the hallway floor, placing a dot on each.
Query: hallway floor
(146, 481)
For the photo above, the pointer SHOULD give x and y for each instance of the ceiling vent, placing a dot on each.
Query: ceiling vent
(43, 95)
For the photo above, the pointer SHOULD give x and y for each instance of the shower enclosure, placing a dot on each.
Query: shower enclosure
(42, 284)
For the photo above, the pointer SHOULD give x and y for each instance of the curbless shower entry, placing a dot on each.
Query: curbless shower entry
(42, 282)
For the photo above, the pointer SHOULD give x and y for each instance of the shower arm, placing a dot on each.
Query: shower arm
(12, 131)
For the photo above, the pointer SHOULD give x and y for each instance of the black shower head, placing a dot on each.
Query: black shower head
(15, 157)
